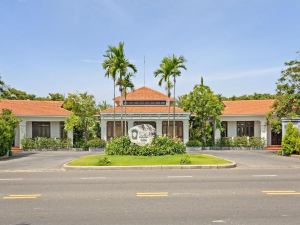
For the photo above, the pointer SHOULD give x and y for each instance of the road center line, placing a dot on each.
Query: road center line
(180, 176)
(92, 178)
(265, 175)
(11, 179)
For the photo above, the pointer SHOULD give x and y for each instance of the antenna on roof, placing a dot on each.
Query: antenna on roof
(144, 71)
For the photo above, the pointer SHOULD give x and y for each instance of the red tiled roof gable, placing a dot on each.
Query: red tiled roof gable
(247, 107)
(34, 108)
(145, 94)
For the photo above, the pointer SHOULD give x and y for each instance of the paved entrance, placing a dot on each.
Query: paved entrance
(39, 161)
(260, 159)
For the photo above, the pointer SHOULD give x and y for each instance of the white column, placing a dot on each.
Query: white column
(217, 134)
(55, 129)
(103, 125)
(130, 123)
(264, 130)
(159, 127)
(70, 135)
(186, 131)
(22, 132)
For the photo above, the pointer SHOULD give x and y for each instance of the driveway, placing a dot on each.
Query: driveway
(260, 159)
(38, 161)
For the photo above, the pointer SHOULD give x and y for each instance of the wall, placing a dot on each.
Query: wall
(148, 117)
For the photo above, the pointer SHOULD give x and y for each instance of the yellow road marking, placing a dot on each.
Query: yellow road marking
(23, 196)
(278, 191)
(291, 193)
(152, 194)
(282, 192)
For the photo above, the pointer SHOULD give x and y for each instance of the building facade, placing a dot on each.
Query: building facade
(145, 106)
(248, 118)
(38, 119)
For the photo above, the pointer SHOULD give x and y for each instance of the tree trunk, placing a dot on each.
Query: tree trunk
(174, 122)
(169, 110)
(114, 126)
(125, 113)
(122, 125)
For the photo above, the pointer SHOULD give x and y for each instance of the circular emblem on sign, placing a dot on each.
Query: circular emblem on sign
(141, 134)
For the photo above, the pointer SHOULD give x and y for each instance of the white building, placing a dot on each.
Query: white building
(145, 106)
(248, 118)
(38, 119)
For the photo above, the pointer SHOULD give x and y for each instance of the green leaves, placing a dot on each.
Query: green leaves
(206, 107)
(8, 123)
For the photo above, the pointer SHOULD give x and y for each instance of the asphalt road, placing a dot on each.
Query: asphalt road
(241, 196)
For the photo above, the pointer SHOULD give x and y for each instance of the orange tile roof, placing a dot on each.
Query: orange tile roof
(145, 93)
(34, 108)
(247, 107)
(144, 109)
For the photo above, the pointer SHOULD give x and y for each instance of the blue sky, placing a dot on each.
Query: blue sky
(238, 46)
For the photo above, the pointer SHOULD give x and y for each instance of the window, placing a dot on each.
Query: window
(245, 128)
(63, 132)
(152, 123)
(110, 129)
(224, 131)
(144, 102)
(178, 132)
(41, 129)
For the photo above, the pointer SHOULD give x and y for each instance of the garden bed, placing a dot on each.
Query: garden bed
(116, 160)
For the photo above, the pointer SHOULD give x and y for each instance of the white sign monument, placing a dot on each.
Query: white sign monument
(141, 134)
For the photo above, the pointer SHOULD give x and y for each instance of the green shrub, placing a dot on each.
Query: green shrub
(159, 146)
(254, 142)
(224, 142)
(193, 143)
(185, 160)
(8, 122)
(290, 140)
(96, 143)
(104, 162)
(45, 143)
(240, 141)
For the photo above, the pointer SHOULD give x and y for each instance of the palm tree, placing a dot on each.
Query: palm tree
(126, 83)
(177, 64)
(121, 65)
(164, 72)
(110, 71)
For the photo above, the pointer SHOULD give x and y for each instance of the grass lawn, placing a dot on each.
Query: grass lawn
(116, 160)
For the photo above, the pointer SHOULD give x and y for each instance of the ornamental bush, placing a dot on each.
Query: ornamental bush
(8, 122)
(96, 143)
(290, 142)
(193, 143)
(41, 143)
(159, 146)
(254, 142)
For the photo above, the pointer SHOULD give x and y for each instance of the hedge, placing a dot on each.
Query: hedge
(159, 146)
(255, 142)
(45, 143)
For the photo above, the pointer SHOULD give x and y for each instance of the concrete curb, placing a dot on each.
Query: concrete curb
(158, 167)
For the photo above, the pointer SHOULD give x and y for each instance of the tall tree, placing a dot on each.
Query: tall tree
(287, 103)
(84, 109)
(120, 66)
(126, 83)
(56, 97)
(164, 73)
(104, 105)
(111, 72)
(206, 108)
(177, 64)
(8, 123)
